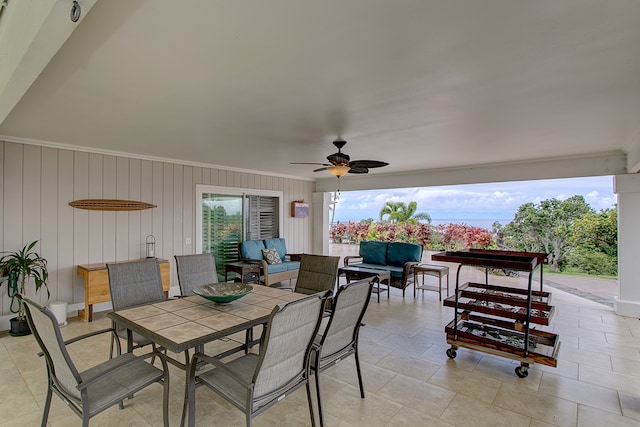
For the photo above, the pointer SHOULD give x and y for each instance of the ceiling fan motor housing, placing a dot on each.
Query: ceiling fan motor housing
(338, 159)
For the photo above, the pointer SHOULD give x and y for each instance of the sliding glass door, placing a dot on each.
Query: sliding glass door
(222, 219)
(227, 216)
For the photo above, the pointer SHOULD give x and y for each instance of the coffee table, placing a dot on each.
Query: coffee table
(359, 273)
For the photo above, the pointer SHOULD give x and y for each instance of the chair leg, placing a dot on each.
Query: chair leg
(47, 406)
(190, 397)
(359, 373)
(313, 418)
(317, 372)
(165, 395)
(248, 339)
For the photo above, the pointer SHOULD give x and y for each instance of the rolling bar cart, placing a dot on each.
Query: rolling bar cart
(497, 319)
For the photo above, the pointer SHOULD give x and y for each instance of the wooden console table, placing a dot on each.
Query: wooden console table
(96, 284)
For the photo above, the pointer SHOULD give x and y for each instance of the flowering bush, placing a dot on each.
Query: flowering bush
(458, 236)
(450, 236)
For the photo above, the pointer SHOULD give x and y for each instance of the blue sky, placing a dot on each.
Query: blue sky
(475, 204)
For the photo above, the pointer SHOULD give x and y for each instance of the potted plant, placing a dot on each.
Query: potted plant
(20, 267)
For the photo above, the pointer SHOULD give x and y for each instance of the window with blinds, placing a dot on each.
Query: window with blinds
(262, 217)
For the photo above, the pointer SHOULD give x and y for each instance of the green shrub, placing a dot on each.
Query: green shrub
(591, 262)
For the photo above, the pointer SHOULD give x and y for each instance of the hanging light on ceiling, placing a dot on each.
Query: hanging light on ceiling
(338, 170)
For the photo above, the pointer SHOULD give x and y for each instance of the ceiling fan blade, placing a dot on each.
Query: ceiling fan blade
(358, 169)
(320, 169)
(367, 164)
(321, 164)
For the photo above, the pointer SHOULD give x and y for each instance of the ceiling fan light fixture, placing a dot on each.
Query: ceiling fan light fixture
(338, 170)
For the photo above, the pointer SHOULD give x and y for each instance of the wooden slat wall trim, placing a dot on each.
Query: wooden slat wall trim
(37, 184)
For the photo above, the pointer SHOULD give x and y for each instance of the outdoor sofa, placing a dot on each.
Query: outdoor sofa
(399, 258)
(286, 269)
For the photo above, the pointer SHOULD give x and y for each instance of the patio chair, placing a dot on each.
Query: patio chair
(131, 284)
(317, 274)
(340, 337)
(195, 271)
(98, 388)
(255, 382)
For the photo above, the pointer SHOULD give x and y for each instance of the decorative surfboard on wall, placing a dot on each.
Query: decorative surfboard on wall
(110, 205)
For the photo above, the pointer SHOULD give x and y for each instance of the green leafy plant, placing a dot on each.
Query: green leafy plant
(22, 266)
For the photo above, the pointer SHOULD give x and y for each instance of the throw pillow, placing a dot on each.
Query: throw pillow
(271, 256)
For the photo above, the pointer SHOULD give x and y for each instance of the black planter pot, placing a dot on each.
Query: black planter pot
(19, 327)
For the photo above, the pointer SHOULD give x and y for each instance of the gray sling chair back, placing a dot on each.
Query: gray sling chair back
(317, 274)
(195, 271)
(92, 391)
(255, 382)
(133, 283)
(340, 337)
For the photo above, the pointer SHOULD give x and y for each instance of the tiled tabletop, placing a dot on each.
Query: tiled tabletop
(181, 324)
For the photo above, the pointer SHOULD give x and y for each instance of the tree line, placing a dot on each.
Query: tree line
(577, 237)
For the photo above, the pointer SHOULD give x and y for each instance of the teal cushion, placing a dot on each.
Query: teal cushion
(291, 265)
(373, 252)
(398, 253)
(277, 268)
(252, 249)
(278, 243)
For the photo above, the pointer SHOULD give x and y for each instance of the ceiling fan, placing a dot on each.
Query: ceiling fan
(340, 164)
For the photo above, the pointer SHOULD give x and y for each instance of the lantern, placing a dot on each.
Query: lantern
(151, 246)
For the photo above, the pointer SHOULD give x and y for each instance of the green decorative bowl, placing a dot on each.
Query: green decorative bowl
(223, 293)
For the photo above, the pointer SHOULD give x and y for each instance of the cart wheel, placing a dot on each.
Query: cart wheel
(522, 371)
(451, 353)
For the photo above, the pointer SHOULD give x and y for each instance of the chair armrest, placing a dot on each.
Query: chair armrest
(348, 259)
(87, 335)
(83, 336)
(407, 268)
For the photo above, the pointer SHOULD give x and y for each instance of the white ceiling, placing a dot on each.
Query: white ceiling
(424, 84)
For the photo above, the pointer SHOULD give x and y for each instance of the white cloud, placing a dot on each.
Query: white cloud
(466, 202)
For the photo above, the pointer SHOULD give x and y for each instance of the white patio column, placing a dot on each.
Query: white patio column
(627, 188)
(320, 218)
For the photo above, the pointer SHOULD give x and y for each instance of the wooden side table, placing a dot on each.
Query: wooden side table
(358, 273)
(96, 284)
(431, 270)
(242, 269)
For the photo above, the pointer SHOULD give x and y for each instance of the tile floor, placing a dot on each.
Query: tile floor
(409, 380)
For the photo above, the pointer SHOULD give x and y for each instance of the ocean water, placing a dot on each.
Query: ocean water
(480, 218)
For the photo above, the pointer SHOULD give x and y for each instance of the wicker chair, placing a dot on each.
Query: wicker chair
(98, 388)
(340, 337)
(195, 271)
(133, 283)
(255, 382)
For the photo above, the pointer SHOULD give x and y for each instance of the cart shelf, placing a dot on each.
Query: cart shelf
(543, 346)
(500, 306)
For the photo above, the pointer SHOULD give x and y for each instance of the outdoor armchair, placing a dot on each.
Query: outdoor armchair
(92, 391)
(131, 284)
(195, 271)
(340, 337)
(255, 382)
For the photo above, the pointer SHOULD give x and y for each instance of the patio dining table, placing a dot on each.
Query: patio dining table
(180, 325)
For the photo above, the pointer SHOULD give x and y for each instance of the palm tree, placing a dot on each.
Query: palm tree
(400, 212)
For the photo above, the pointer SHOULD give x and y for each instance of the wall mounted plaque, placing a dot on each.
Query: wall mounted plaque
(110, 205)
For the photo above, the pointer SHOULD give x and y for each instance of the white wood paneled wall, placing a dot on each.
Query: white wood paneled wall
(37, 183)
